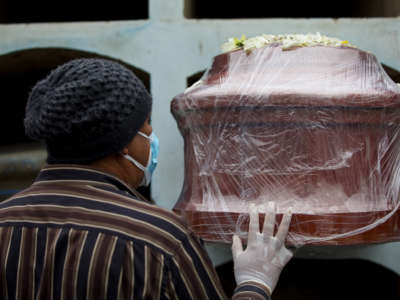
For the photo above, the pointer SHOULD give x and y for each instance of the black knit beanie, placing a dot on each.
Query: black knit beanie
(86, 109)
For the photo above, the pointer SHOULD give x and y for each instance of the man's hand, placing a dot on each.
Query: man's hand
(266, 254)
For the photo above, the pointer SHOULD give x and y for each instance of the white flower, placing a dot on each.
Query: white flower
(255, 42)
(287, 41)
(230, 45)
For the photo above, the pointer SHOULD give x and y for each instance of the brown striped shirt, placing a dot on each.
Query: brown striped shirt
(78, 233)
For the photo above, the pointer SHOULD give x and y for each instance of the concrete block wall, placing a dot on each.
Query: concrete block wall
(171, 48)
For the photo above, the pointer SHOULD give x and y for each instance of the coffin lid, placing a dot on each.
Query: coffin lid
(318, 76)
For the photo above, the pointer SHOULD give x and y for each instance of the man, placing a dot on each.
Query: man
(82, 231)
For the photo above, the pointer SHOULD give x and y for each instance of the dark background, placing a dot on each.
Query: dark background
(306, 279)
(12, 11)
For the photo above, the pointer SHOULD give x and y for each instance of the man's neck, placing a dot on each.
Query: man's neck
(117, 165)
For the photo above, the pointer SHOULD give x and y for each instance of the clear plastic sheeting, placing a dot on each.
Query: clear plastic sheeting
(311, 128)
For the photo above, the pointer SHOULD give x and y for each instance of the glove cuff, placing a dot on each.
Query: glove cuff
(257, 284)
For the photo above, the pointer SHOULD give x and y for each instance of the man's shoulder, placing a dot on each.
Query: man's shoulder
(162, 219)
(150, 209)
(99, 208)
(153, 222)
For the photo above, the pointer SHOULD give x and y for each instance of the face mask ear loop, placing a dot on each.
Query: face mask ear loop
(146, 170)
(144, 135)
(136, 163)
(150, 139)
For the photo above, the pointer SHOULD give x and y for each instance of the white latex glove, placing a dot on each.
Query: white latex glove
(265, 255)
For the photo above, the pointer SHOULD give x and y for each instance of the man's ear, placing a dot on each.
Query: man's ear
(125, 150)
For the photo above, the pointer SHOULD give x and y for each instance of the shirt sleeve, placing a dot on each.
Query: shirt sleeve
(251, 290)
(191, 275)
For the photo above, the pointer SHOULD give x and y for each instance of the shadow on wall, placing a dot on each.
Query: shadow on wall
(393, 73)
(20, 158)
(76, 10)
(226, 9)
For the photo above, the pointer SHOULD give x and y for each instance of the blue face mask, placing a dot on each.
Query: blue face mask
(151, 161)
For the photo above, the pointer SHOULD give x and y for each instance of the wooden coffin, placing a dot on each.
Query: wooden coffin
(313, 128)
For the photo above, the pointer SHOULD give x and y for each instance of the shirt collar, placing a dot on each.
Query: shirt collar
(78, 174)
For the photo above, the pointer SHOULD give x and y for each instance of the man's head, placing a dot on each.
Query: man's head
(86, 110)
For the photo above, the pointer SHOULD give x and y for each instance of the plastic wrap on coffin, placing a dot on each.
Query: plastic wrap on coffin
(315, 129)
